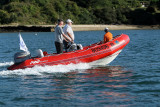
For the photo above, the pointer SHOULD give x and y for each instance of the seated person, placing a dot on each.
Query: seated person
(108, 36)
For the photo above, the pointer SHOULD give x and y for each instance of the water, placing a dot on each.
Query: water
(132, 79)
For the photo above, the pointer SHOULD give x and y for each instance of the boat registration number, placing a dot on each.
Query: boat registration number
(100, 48)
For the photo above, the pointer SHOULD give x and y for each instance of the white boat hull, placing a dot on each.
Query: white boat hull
(106, 60)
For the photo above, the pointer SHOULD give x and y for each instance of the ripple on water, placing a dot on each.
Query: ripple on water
(134, 82)
(2, 103)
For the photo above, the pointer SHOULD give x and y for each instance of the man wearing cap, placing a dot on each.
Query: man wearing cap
(108, 36)
(60, 36)
(69, 32)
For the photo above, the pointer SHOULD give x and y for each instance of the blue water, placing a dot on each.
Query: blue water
(132, 79)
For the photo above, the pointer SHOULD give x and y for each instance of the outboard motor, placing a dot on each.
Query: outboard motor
(39, 53)
(21, 57)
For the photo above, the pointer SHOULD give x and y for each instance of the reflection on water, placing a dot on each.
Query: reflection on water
(110, 79)
(101, 85)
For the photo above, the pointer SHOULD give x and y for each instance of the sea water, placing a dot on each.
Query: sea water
(132, 79)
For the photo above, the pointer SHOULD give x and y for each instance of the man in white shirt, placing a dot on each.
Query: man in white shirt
(68, 32)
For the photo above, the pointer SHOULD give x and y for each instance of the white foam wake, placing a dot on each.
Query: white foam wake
(4, 64)
(39, 70)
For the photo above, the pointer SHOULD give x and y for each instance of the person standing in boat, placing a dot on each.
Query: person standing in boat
(108, 36)
(69, 32)
(60, 36)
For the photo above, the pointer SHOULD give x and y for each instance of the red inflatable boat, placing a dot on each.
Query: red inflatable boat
(98, 54)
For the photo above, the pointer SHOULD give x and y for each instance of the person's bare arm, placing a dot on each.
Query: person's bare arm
(70, 36)
(66, 38)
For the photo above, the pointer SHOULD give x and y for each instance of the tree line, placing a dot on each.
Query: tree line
(80, 11)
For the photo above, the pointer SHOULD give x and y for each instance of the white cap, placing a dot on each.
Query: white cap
(69, 21)
(106, 28)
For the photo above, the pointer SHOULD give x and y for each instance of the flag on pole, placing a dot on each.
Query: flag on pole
(22, 44)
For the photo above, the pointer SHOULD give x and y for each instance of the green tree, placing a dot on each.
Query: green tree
(80, 11)
(4, 17)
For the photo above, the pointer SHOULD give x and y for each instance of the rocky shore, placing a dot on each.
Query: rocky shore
(50, 28)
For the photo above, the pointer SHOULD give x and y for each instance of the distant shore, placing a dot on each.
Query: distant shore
(50, 28)
(112, 27)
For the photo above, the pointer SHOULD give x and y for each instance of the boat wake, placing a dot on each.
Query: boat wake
(45, 70)
(5, 64)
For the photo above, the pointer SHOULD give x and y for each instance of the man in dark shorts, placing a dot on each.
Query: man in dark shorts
(60, 36)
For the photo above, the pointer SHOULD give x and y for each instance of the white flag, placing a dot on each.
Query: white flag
(22, 44)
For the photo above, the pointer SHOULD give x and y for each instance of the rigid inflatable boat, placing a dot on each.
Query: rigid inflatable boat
(98, 53)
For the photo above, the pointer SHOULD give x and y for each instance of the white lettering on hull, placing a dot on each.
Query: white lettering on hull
(35, 62)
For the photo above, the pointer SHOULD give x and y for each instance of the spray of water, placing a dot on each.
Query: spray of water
(39, 70)
(4, 64)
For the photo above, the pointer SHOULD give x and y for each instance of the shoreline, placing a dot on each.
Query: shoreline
(113, 27)
(50, 28)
